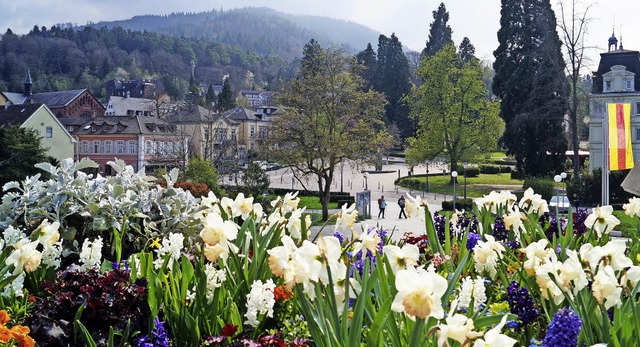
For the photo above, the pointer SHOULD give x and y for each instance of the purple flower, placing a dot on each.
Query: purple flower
(472, 240)
(521, 304)
(563, 330)
(158, 337)
(340, 236)
(579, 228)
(500, 232)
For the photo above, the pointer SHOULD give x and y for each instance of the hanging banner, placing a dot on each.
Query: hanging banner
(620, 150)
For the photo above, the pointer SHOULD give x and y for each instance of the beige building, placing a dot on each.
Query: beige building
(253, 127)
(55, 138)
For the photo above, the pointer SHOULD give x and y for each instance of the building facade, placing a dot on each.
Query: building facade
(617, 80)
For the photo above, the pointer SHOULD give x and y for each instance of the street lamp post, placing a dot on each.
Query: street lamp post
(368, 196)
(563, 176)
(454, 174)
(427, 162)
(292, 177)
(341, 172)
(557, 179)
(464, 165)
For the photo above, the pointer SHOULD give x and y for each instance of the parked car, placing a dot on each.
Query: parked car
(561, 202)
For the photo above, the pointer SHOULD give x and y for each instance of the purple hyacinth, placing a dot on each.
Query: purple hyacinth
(464, 221)
(579, 228)
(500, 231)
(521, 304)
(563, 330)
(340, 236)
(472, 240)
(158, 337)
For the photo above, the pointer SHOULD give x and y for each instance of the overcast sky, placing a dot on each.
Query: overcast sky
(409, 19)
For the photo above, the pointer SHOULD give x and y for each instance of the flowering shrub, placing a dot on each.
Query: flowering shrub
(121, 259)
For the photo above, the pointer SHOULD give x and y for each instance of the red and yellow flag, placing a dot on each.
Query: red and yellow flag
(620, 150)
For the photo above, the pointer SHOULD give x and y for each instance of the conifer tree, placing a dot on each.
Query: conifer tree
(369, 72)
(467, 50)
(439, 32)
(226, 101)
(394, 81)
(210, 98)
(530, 80)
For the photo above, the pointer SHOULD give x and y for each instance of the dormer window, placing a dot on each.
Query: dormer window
(629, 85)
(607, 85)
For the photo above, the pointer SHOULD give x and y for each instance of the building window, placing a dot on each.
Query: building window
(96, 147)
(607, 86)
(158, 146)
(133, 147)
(148, 147)
(108, 147)
(638, 108)
(637, 134)
(49, 132)
(84, 148)
(628, 84)
(120, 147)
(252, 132)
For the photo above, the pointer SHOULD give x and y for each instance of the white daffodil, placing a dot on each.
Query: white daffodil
(402, 258)
(347, 217)
(632, 276)
(330, 255)
(280, 259)
(369, 241)
(513, 220)
(458, 327)
(48, 232)
(294, 225)
(632, 208)
(414, 206)
(24, 257)
(419, 293)
(209, 200)
(290, 202)
(533, 203)
(548, 287)
(605, 288)
(572, 276)
(602, 220)
(216, 230)
(537, 254)
(610, 254)
(493, 337)
(242, 206)
(486, 255)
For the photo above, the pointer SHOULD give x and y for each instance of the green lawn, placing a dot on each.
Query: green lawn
(476, 186)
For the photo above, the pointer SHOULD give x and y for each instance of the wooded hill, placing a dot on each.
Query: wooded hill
(261, 30)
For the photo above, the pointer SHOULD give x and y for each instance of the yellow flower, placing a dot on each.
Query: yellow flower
(155, 243)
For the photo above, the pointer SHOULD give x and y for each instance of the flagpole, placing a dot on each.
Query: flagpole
(605, 158)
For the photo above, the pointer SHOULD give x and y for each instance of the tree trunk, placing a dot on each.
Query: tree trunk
(574, 136)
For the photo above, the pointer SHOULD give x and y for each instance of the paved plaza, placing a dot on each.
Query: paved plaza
(380, 183)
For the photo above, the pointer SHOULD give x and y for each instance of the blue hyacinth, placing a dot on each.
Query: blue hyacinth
(563, 330)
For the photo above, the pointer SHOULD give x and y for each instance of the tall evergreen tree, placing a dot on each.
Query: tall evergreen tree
(531, 82)
(439, 32)
(394, 81)
(226, 101)
(467, 50)
(370, 69)
(210, 97)
(311, 55)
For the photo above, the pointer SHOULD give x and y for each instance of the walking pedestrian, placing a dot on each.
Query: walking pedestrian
(382, 205)
(401, 204)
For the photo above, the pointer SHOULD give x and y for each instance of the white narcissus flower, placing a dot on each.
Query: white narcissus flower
(632, 276)
(330, 255)
(572, 276)
(280, 260)
(605, 288)
(216, 230)
(548, 287)
(219, 250)
(24, 257)
(209, 200)
(242, 207)
(294, 225)
(258, 212)
(632, 208)
(290, 202)
(229, 207)
(513, 220)
(610, 254)
(414, 206)
(458, 327)
(347, 218)
(493, 337)
(601, 220)
(419, 293)
(533, 203)
(369, 240)
(48, 232)
(537, 254)
(486, 255)
(402, 258)
(296, 265)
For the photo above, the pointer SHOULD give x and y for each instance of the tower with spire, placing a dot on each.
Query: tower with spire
(28, 83)
(613, 42)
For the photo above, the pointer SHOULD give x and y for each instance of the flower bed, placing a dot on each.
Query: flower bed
(122, 261)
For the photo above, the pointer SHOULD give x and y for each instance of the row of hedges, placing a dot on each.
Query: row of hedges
(495, 169)
(461, 204)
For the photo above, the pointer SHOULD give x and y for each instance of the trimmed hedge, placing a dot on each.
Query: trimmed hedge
(490, 169)
(515, 175)
(589, 189)
(461, 204)
(473, 171)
